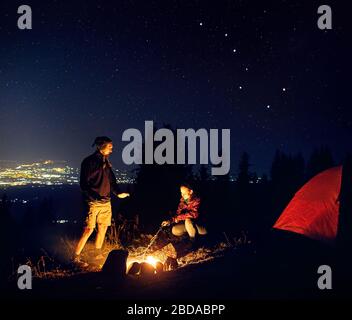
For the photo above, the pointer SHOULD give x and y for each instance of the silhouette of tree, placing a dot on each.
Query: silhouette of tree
(243, 171)
(278, 167)
(287, 175)
(320, 160)
(243, 203)
(344, 235)
(157, 188)
(298, 173)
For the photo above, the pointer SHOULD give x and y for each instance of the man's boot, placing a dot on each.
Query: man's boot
(78, 263)
(99, 254)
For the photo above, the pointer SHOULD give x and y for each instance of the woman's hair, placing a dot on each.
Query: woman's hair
(100, 142)
(187, 185)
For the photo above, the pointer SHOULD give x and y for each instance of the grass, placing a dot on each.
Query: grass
(55, 260)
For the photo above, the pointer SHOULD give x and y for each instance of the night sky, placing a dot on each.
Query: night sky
(89, 68)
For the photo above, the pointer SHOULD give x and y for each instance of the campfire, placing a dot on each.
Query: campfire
(161, 260)
(151, 260)
(154, 263)
(146, 260)
(141, 266)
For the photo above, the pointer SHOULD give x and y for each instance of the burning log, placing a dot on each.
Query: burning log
(159, 267)
(147, 269)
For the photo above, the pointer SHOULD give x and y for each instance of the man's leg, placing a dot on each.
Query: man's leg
(103, 222)
(100, 236)
(82, 241)
(90, 222)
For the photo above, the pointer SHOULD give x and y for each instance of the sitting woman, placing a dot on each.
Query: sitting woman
(187, 213)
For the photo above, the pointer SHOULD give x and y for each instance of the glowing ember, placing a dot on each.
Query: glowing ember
(151, 260)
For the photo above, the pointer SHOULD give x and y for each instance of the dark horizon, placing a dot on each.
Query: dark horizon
(130, 169)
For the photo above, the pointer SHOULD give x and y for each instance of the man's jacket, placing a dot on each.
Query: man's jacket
(97, 180)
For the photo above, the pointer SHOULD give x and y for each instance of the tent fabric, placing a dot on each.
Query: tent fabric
(314, 210)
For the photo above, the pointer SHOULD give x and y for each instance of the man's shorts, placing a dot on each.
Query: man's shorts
(98, 212)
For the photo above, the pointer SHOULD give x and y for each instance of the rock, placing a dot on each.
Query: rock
(147, 269)
(159, 267)
(134, 268)
(115, 264)
(170, 264)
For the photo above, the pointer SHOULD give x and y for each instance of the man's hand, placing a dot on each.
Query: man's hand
(165, 223)
(123, 195)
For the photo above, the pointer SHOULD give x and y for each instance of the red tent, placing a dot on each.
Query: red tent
(314, 210)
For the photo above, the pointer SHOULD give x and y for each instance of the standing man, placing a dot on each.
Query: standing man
(97, 182)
